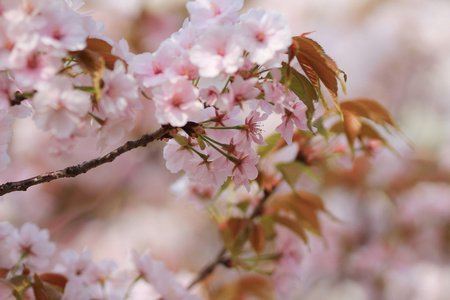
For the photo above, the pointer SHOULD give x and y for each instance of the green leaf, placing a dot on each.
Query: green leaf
(318, 124)
(271, 142)
(291, 173)
(267, 223)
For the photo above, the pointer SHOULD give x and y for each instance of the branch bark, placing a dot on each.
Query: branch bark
(84, 167)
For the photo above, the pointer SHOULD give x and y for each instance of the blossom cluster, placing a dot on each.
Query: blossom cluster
(28, 250)
(49, 69)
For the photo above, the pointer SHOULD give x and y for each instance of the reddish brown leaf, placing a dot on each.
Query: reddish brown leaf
(311, 199)
(98, 45)
(352, 125)
(369, 109)
(258, 286)
(292, 225)
(235, 233)
(55, 279)
(236, 225)
(257, 238)
(38, 289)
(44, 291)
(245, 287)
(317, 65)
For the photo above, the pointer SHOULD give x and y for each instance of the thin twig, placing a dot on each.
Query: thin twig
(74, 171)
(220, 258)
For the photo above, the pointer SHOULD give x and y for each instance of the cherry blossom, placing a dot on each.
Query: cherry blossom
(252, 131)
(293, 115)
(245, 169)
(59, 108)
(178, 156)
(119, 93)
(217, 50)
(161, 278)
(240, 90)
(32, 245)
(263, 34)
(205, 13)
(79, 268)
(75, 291)
(63, 30)
(177, 103)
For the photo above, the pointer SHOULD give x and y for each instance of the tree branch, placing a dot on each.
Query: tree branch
(74, 171)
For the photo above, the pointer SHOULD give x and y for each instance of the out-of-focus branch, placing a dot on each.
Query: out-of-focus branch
(74, 171)
(220, 258)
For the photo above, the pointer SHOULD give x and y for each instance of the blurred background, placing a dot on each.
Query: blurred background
(393, 241)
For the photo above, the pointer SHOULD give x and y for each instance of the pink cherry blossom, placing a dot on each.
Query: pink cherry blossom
(263, 34)
(294, 115)
(185, 37)
(119, 93)
(245, 169)
(63, 30)
(252, 131)
(177, 156)
(122, 50)
(217, 50)
(214, 169)
(32, 68)
(182, 67)
(6, 291)
(275, 92)
(241, 90)
(112, 130)
(164, 281)
(177, 103)
(78, 268)
(31, 244)
(210, 95)
(75, 291)
(151, 67)
(205, 13)
(60, 108)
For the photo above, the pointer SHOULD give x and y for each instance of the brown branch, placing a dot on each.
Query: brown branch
(74, 171)
(220, 258)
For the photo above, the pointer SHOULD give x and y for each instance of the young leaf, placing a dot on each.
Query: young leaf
(55, 279)
(317, 65)
(104, 49)
(235, 233)
(292, 225)
(257, 238)
(291, 172)
(370, 109)
(352, 125)
(98, 45)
